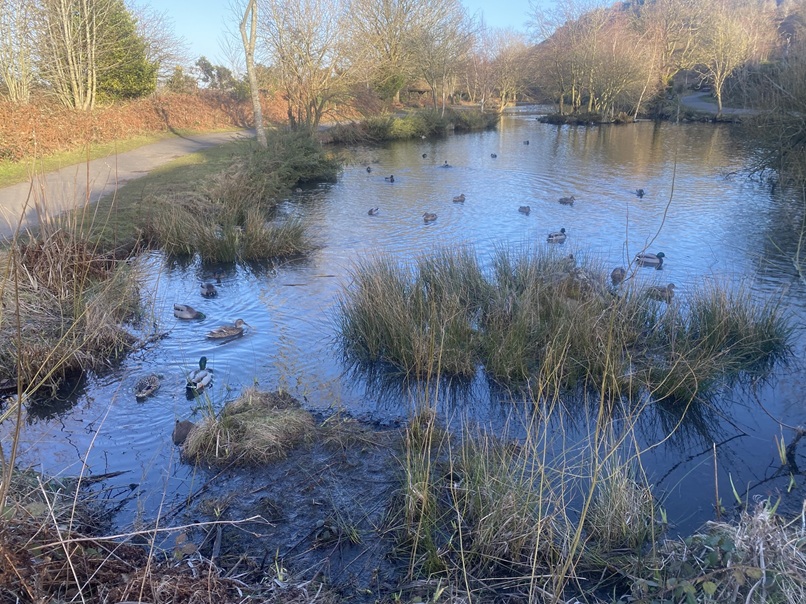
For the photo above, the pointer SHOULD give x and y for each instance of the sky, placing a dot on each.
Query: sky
(200, 22)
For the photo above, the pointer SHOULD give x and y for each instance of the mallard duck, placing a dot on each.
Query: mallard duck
(647, 259)
(183, 311)
(567, 201)
(389, 178)
(493, 155)
(425, 155)
(558, 237)
(446, 164)
(208, 290)
(524, 210)
(146, 386)
(369, 168)
(182, 431)
(200, 378)
(618, 275)
(373, 211)
(459, 198)
(525, 142)
(429, 217)
(228, 331)
(639, 192)
(661, 293)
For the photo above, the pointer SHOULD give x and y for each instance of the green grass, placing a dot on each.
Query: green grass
(12, 173)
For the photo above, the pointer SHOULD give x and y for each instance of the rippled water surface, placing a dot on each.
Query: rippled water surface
(711, 226)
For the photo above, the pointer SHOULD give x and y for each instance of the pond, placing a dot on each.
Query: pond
(712, 225)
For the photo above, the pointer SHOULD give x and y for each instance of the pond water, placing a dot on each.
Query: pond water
(711, 227)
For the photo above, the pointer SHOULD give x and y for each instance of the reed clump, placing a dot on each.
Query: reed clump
(234, 214)
(256, 428)
(536, 312)
(65, 308)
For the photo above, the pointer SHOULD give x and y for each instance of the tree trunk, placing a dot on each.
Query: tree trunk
(249, 49)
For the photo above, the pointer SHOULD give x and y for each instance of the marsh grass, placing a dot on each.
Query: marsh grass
(256, 428)
(538, 313)
(65, 308)
(233, 215)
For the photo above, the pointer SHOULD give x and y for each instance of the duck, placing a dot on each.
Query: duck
(208, 290)
(146, 386)
(374, 211)
(182, 431)
(369, 169)
(429, 217)
(639, 192)
(459, 198)
(652, 260)
(618, 275)
(526, 142)
(199, 379)
(184, 311)
(493, 155)
(557, 237)
(228, 331)
(524, 210)
(446, 164)
(425, 155)
(661, 293)
(389, 178)
(567, 201)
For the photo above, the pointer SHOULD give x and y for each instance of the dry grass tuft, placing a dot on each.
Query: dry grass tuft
(256, 428)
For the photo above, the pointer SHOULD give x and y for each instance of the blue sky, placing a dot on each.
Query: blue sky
(199, 22)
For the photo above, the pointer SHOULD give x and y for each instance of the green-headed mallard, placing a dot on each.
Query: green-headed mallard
(374, 211)
(208, 290)
(200, 378)
(524, 210)
(389, 178)
(653, 260)
(429, 217)
(558, 237)
(618, 275)
(146, 386)
(181, 431)
(567, 201)
(183, 311)
(228, 331)
(459, 198)
(661, 293)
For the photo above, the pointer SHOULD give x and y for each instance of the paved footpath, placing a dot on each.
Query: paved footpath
(82, 183)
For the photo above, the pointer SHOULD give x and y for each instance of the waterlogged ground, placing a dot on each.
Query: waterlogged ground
(711, 227)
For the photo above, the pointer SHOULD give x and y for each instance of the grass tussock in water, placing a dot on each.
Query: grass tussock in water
(541, 313)
(415, 124)
(234, 215)
(64, 308)
(256, 428)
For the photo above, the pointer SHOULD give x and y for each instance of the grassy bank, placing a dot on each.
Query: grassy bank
(538, 313)
(414, 124)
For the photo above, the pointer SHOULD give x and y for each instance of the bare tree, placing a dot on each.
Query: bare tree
(307, 44)
(163, 47)
(509, 63)
(441, 40)
(17, 50)
(249, 40)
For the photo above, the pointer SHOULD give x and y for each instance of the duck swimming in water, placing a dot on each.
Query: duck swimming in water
(618, 275)
(146, 386)
(429, 217)
(373, 211)
(228, 331)
(651, 260)
(639, 192)
(558, 237)
(208, 290)
(567, 201)
(524, 210)
(661, 293)
(199, 379)
(186, 312)
(389, 178)
(459, 198)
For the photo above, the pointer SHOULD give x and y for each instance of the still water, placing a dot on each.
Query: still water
(712, 225)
